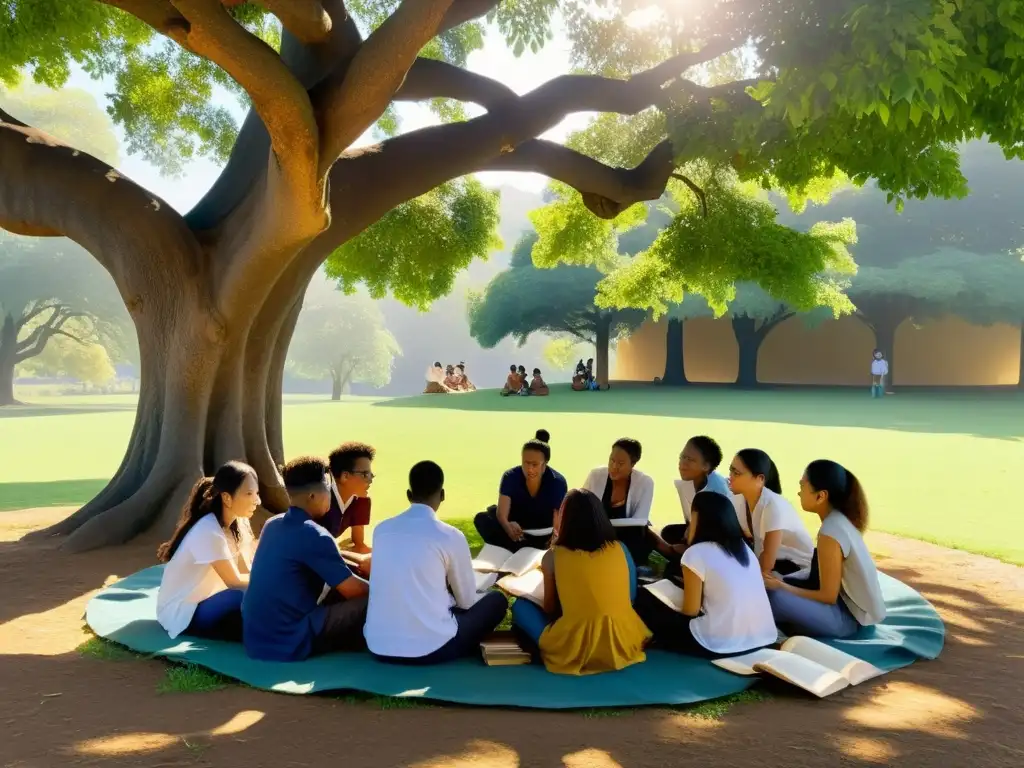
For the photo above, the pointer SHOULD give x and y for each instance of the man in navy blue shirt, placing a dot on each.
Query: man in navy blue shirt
(296, 557)
(528, 497)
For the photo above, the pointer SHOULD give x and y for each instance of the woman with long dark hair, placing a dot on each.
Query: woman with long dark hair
(725, 609)
(780, 540)
(842, 593)
(627, 495)
(587, 624)
(209, 557)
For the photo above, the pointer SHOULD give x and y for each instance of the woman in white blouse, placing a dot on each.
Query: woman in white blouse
(780, 540)
(627, 495)
(209, 557)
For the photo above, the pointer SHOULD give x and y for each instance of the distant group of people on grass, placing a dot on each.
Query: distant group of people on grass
(517, 383)
(448, 380)
(745, 562)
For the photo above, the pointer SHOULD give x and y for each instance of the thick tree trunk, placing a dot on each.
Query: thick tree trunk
(8, 347)
(675, 364)
(1020, 375)
(602, 342)
(748, 339)
(335, 386)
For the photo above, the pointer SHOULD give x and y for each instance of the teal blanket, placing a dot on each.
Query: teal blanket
(125, 612)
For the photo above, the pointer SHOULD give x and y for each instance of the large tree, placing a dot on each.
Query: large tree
(50, 289)
(525, 299)
(343, 338)
(67, 357)
(870, 90)
(981, 288)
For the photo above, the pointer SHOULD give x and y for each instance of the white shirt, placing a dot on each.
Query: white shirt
(859, 588)
(737, 615)
(416, 559)
(686, 490)
(189, 577)
(775, 513)
(640, 498)
(879, 367)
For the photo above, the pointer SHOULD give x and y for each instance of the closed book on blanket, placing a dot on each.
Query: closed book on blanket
(806, 663)
(502, 649)
(494, 559)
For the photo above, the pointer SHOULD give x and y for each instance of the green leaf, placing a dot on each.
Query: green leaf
(829, 80)
(883, 112)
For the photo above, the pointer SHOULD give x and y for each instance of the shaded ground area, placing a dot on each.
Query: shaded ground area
(62, 707)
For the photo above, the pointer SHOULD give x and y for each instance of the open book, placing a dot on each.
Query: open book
(628, 522)
(494, 559)
(485, 581)
(529, 586)
(806, 663)
(668, 592)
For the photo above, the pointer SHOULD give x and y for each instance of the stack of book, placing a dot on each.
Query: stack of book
(502, 650)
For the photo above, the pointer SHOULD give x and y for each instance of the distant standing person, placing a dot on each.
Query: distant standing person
(879, 370)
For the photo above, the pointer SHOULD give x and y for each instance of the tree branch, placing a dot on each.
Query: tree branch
(50, 189)
(161, 15)
(37, 309)
(353, 96)
(462, 11)
(306, 19)
(695, 189)
(432, 79)
(277, 96)
(36, 341)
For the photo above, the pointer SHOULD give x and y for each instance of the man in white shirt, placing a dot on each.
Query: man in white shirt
(424, 607)
(879, 370)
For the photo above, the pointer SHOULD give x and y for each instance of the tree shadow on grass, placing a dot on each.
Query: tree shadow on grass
(998, 414)
(28, 410)
(54, 493)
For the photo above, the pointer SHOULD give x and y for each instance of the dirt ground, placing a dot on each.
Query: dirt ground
(59, 708)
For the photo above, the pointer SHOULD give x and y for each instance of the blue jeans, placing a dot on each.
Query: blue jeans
(219, 617)
(530, 619)
(796, 615)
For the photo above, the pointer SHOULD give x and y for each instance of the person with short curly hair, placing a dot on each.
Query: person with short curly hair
(352, 470)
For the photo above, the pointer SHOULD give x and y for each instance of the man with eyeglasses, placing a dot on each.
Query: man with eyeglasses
(352, 469)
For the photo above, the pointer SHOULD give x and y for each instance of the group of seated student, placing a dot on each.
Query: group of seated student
(583, 377)
(744, 561)
(517, 383)
(452, 379)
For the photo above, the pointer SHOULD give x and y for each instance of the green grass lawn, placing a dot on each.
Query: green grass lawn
(935, 467)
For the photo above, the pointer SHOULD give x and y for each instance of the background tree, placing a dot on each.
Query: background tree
(343, 338)
(66, 357)
(50, 289)
(563, 353)
(869, 90)
(525, 300)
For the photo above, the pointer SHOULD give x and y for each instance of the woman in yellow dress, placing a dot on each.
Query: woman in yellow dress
(587, 624)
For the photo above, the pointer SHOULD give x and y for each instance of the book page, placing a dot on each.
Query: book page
(745, 664)
(628, 522)
(850, 667)
(485, 581)
(538, 531)
(526, 559)
(804, 673)
(490, 559)
(668, 593)
(529, 586)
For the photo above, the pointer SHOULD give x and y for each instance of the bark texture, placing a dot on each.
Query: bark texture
(750, 334)
(602, 343)
(214, 295)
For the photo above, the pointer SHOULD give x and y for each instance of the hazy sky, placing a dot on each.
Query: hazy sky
(495, 60)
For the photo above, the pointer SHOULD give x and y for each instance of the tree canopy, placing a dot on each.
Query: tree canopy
(795, 95)
(343, 338)
(556, 300)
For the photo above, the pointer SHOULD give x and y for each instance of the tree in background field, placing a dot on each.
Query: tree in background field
(52, 290)
(68, 357)
(981, 288)
(815, 89)
(344, 338)
(526, 299)
(563, 353)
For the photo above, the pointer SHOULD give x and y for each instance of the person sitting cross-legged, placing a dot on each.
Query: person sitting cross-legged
(283, 618)
(587, 624)
(424, 607)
